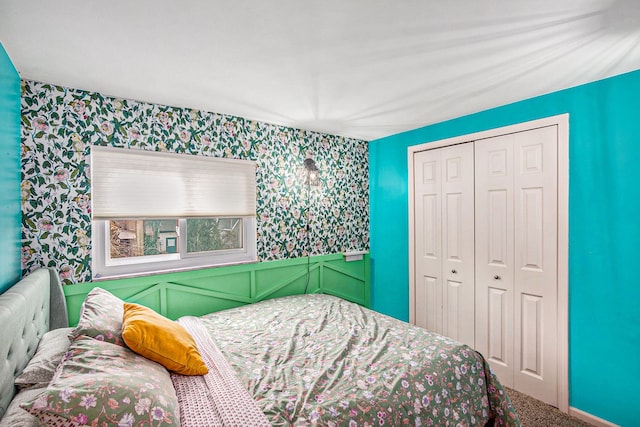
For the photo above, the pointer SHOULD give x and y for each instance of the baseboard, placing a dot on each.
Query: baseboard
(591, 419)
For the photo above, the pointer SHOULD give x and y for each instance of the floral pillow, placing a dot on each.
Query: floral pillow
(15, 416)
(40, 369)
(99, 383)
(100, 317)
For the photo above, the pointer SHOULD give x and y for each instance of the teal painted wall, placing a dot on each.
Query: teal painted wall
(604, 231)
(10, 212)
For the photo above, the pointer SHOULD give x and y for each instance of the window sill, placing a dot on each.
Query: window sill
(104, 278)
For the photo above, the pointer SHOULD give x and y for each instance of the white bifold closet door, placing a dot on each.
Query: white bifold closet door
(516, 259)
(444, 243)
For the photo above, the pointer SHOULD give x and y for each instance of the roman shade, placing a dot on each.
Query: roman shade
(128, 183)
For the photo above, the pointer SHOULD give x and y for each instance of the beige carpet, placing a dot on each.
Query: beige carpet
(534, 413)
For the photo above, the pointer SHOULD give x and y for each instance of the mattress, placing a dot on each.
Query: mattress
(320, 360)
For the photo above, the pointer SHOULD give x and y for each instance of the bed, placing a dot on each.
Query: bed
(292, 361)
(28, 310)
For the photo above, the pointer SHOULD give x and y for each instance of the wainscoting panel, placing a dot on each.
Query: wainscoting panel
(345, 280)
(205, 291)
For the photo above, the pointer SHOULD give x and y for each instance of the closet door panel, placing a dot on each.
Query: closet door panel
(497, 341)
(453, 323)
(495, 255)
(531, 335)
(457, 243)
(427, 302)
(444, 233)
(535, 204)
(428, 240)
(498, 222)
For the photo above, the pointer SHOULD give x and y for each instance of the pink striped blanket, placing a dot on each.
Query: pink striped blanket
(218, 398)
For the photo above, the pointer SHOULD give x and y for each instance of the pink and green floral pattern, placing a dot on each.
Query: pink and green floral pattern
(320, 360)
(99, 383)
(59, 126)
(100, 317)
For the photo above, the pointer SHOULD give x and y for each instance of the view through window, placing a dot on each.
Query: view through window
(145, 237)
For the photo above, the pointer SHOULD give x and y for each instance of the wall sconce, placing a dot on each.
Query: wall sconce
(313, 174)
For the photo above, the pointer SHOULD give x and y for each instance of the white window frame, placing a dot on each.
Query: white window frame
(145, 185)
(104, 267)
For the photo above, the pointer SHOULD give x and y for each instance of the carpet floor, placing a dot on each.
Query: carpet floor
(534, 413)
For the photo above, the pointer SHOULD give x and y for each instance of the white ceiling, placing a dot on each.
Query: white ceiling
(357, 68)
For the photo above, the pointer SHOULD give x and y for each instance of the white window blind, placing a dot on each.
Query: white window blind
(145, 184)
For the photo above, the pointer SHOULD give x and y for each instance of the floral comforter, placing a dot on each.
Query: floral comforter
(320, 360)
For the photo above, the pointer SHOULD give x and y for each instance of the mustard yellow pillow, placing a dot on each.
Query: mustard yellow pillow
(161, 340)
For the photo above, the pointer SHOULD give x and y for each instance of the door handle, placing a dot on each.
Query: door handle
(496, 277)
(454, 271)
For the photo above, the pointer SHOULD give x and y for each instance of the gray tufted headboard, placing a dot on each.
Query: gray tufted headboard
(28, 309)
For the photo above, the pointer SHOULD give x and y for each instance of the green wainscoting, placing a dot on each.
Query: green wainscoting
(200, 292)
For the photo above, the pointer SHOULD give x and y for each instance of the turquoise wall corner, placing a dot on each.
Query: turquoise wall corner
(604, 231)
(10, 212)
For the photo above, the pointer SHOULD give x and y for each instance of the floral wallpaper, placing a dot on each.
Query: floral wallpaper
(59, 126)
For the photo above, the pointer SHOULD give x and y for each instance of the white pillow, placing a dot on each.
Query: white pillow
(39, 371)
(15, 416)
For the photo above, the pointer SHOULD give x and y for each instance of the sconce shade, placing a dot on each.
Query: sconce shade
(310, 165)
(312, 172)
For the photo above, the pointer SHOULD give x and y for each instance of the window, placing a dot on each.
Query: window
(156, 212)
(213, 234)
